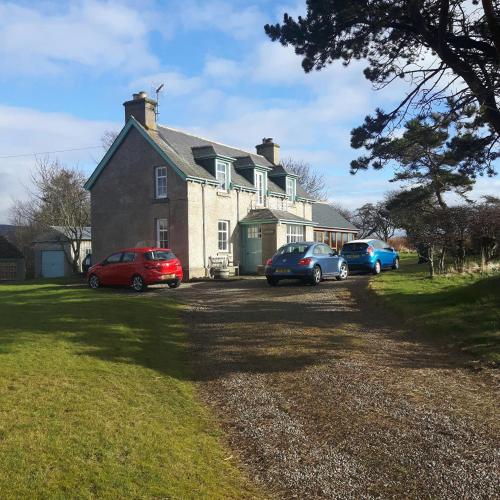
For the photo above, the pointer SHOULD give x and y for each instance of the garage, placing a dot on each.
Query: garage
(52, 263)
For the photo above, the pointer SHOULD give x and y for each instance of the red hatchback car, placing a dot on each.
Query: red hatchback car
(138, 268)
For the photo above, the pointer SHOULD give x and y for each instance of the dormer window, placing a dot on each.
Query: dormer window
(222, 175)
(260, 185)
(290, 188)
(161, 182)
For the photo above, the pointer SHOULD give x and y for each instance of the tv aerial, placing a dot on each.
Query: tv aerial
(157, 92)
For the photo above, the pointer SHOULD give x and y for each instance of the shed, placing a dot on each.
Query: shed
(53, 252)
(12, 265)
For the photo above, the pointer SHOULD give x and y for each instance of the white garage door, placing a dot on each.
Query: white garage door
(52, 263)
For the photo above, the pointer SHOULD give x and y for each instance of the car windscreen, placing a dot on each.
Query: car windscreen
(355, 247)
(294, 248)
(159, 255)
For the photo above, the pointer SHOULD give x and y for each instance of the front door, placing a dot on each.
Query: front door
(252, 248)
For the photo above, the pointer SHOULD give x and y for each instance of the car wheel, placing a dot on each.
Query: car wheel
(175, 284)
(344, 272)
(377, 267)
(94, 282)
(272, 281)
(396, 264)
(317, 275)
(138, 283)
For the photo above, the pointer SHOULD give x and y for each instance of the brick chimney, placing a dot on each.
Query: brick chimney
(269, 150)
(143, 109)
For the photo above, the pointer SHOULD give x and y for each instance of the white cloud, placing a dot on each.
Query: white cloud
(102, 35)
(227, 17)
(223, 72)
(25, 130)
(176, 84)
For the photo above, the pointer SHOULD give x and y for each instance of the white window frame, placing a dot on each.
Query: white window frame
(254, 232)
(261, 187)
(162, 233)
(294, 233)
(223, 230)
(161, 174)
(291, 188)
(222, 175)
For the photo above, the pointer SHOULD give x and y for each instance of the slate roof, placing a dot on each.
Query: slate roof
(179, 146)
(326, 216)
(267, 214)
(8, 250)
(57, 233)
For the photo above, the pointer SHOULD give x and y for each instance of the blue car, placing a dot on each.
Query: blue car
(308, 261)
(370, 255)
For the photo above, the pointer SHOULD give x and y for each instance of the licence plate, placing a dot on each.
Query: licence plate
(352, 256)
(167, 276)
(282, 270)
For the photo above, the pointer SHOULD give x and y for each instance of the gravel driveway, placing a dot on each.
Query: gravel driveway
(323, 395)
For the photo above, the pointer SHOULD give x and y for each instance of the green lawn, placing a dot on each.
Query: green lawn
(462, 311)
(96, 401)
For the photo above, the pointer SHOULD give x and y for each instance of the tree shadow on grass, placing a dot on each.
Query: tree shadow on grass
(235, 327)
(145, 330)
(102, 325)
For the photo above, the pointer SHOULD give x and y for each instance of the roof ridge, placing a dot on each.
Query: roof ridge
(210, 140)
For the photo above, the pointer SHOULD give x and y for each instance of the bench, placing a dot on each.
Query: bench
(216, 264)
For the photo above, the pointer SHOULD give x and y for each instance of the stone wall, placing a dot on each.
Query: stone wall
(123, 205)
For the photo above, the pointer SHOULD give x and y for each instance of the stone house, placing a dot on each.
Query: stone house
(157, 186)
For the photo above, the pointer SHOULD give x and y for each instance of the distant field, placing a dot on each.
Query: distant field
(96, 400)
(460, 310)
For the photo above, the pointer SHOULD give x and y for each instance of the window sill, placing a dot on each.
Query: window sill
(161, 200)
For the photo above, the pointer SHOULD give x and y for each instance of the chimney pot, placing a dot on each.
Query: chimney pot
(140, 95)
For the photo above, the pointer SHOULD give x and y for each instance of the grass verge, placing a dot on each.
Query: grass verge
(463, 311)
(96, 400)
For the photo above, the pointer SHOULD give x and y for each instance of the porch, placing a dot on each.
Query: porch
(263, 231)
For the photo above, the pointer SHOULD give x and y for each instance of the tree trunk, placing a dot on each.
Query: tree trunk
(76, 255)
(431, 261)
(440, 200)
(460, 257)
(441, 260)
(483, 254)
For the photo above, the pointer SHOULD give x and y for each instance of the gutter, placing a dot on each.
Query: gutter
(204, 235)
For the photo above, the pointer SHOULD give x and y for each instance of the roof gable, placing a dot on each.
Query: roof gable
(131, 123)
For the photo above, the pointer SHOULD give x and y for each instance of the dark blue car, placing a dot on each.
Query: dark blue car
(308, 261)
(370, 255)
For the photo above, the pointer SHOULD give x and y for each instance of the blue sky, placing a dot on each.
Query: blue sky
(67, 67)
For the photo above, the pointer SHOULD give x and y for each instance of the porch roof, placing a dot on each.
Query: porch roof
(269, 216)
